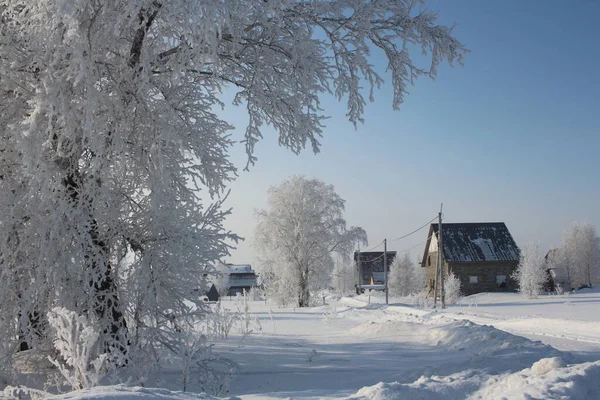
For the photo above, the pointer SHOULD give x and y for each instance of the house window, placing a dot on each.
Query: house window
(473, 279)
(501, 281)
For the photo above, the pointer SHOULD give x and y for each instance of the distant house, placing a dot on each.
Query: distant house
(482, 255)
(372, 267)
(240, 278)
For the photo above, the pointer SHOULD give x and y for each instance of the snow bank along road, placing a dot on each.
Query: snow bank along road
(350, 349)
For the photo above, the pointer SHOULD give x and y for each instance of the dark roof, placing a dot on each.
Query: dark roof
(478, 241)
(373, 260)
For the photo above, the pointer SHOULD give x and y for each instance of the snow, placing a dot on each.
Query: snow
(488, 346)
(487, 248)
(357, 348)
(126, 393)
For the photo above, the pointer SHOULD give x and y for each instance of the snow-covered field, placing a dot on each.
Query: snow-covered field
(490, 346)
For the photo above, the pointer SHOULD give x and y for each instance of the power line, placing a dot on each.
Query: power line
(373, 248)
(415, 231)
(415, 246)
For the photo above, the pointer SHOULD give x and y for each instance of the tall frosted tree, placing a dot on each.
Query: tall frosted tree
(581, 254)
(298, 234)
(114, 161)
(531, 273)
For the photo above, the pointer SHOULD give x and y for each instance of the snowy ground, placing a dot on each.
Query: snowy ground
(347, 347)
(490, 346)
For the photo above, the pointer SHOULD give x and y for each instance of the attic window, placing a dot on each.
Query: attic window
(429, 261)
(473, 279)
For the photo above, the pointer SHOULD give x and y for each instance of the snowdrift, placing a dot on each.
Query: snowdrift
(120, 392)
(547, 378)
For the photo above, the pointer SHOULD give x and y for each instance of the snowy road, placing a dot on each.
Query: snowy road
(333, 351)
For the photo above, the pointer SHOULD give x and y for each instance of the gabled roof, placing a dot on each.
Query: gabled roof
(472, 242)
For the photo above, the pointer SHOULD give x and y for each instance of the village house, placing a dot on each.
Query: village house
(482, 255)
(241, 278)
(372, 267)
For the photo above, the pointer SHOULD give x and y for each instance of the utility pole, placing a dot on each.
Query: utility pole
(436, 279)
(441, 256)
(385, 270)
(359, 270)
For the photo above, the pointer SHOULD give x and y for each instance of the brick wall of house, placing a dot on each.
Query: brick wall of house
(488, 275)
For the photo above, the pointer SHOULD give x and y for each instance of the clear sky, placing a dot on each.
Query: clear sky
(513, 136)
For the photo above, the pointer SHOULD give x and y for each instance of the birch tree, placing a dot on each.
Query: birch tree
(404, 279)
(582, 253)
(531, 273)
(114, 162)
(298, 234)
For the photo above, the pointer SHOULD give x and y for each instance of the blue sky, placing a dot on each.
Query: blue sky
(512, 136)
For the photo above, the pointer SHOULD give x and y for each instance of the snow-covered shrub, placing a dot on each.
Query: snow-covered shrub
(422, 300)
(76, 341)
(531, 272)
(191, 345)
(221, 321)
(192, 350)
(214, 373)
(247, 321)
(452, 288)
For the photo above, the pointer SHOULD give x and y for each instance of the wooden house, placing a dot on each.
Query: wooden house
(372, 267)
(482, 255)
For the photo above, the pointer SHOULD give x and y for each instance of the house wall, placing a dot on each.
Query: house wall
(486, 273)
(431, 263)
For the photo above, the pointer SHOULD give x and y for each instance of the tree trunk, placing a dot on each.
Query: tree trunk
(106, 301)
(304, 295)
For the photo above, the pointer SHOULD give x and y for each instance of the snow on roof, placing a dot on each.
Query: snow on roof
(480, 241)
(239, 268)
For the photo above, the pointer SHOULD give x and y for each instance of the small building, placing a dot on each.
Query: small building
(213, 294)
(372, 267)
(483, 255)
(241, 277)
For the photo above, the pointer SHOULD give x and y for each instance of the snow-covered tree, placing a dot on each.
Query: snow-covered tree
(581, 252)
(452, 288)
(114, 162)
(404, 277)
(531, 273)
(344, 275)
(297, 236)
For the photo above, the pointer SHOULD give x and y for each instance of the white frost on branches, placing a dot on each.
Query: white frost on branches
(531, 273)
(581, 254)
(452, 288)
(296, 236)
(404, 277)
(113, 162)
(76, 342)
